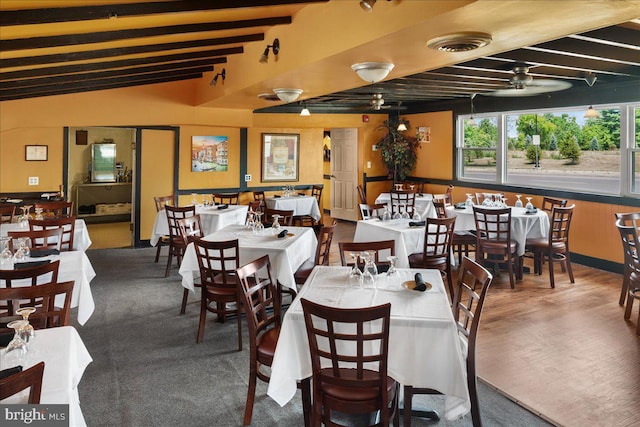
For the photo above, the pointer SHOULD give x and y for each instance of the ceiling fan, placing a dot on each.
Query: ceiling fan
(523, 84)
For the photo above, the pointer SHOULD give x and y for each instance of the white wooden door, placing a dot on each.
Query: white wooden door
(344, 173)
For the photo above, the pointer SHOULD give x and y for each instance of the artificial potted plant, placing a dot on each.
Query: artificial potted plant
(399, 151)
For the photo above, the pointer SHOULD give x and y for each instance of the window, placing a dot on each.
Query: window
(555, 149)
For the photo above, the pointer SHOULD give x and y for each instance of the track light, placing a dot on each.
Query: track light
(367, 5)
(590, 78)
(305, 111)
(265, 55)
(214, 80)
(402, 127)
(471, 121)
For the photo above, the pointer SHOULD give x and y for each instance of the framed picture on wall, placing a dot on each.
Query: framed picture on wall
(209, 153)
(36, 153)
(280, 157)
(424, 134)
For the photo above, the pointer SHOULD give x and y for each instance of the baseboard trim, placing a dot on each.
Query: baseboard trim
(600, 264)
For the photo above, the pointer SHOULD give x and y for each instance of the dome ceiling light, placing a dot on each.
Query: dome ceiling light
(372, 72)
(459, 42)
(288, 94)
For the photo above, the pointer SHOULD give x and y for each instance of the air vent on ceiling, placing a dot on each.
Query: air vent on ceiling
(459, 42)
(269, 97)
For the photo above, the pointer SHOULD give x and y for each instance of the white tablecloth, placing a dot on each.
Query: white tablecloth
(81, 240)
(286, 255)
(424, 204)
(424, 348)
(74, 265)
(65, 358)
(408, 240)
(523, 225)
(211, 217)
(300, 205)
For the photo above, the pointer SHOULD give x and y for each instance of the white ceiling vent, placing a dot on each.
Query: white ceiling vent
(459, 42)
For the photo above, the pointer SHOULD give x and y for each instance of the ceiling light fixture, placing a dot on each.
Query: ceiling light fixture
(305, 111)
(367, 5)
(214, 80)
(288, 94)
(401, 126)
(460, 42)
(591, 113)
(590, 78)
(372, 72)
(471, 121)
(265, 55)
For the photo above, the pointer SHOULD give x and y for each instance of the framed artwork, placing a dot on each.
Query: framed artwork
(36, 153)
(424, 134)
(280, 157)
(209, 153)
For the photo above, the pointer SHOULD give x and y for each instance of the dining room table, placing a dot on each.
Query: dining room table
(74, 266)
(407, 234)
(299, 204)
(423, 204)
(81, 239)
(286, 254)
(212, 218)
(66, 358)
(424, 347)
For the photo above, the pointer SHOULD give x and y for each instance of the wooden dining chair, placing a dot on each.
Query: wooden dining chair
(403, 198)
(371, 211)
(623, 220)
(386, 246)
(462, 240)
(322, 254)
(493, 240)
(361, 194)
(555, 247)
(548, 203)
(28, 379)
(7, 212)
(259, 196)
(436, 251)
(49, 312)
(38, 240)
(218, 262)
(262, 304)
(415, 186)
(66, 224)
(161, 202)
(55, 209)
(176, 242)
(349, 355)
(45, 273)
(286, 217)
(468, 300)
(226, 198)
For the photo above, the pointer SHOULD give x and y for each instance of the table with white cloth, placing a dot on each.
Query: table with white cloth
(408, 240)
(81, 240)
(523, 225)
(300, 205)
(211, 217)
(423, 204)
(65, 357)
(285, 254)
(424, 347)
(74, 265)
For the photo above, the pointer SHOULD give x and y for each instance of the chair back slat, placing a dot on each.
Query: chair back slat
(66, 224)
(30, 378)
(438, 233)
(48, 314)
(162, 201)
(59, 209)
(190, 228)
(548, 203)
(560, 223)
(493, 224)
(175, 213)
(403, 200)
(226, 198)
(286, 217)
(384, 246)
(218, 262)
(324, 244)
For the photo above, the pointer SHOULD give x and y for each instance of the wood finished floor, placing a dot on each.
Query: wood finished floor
(566, 353)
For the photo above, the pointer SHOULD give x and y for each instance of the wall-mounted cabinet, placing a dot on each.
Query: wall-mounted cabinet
(103, 202)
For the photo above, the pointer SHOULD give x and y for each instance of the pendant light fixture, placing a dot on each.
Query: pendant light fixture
(591, 113)
(305, 111)
(401, 125)
(471, 121)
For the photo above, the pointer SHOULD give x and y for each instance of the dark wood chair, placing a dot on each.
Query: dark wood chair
(554, 248)
(218, 262)
(368, 211)
(226, 198)
(403, 200)
(436, 252)
(28, 379)
(631, 281)
(161, 202)
(440, 205)
(259, 196)
(66, 224)
(386, 246)
(7, 212)
(286, 217)
(361, 194)
(46, 273)
(469, 294)
(42, 297)
(176, 242)
(633, 295)
(462, 240)
(548, 203)
(55, 209)
(347, 378)
(190, 230)
(322, 254)
(262, 304)
(493, 240)
(39, 239)
(631, 219)
(414, 186)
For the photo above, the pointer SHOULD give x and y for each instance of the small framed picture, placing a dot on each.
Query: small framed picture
(424, 134)
(36, 153)
(280, 157)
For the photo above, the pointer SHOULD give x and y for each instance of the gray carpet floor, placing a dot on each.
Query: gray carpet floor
(147, 369)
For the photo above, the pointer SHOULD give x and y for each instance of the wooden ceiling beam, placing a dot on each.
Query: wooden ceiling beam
(107, 53)
(86, 13)
(213, 57)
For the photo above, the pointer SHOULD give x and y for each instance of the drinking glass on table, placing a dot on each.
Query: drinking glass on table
(355, 272)
(392, 272)
(396, 211)
(370, 269)
(17, 349)
(529, 205)
(275, 226)
(518, 202)
(27, 333)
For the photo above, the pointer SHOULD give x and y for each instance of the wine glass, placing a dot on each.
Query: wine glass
(405, 212)
(258, 226)
(370, 269)
(469, 201)
(355, 272)
(39, 215)
(19, 255)
(6, 256)
(25, 217)
(392, 272)
(416, 215)
(518, 202)
(27, 333)
(194, 199)
(386, 215)
(275, 226)
(16, 351)
(396, 212)
(529, 205)
(250, 218)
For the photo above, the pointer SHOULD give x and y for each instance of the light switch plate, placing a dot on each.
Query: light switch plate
(34, 180)
(247, 178)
